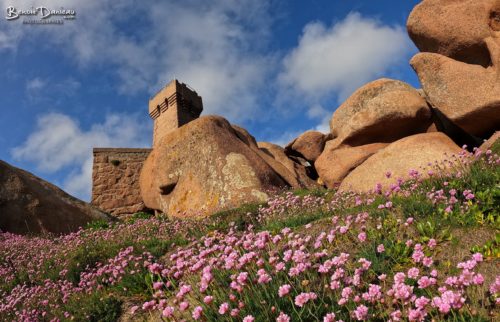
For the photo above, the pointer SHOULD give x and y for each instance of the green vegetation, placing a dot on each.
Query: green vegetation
(90, 275)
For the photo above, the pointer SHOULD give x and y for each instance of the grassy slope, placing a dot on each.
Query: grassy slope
(467, 227)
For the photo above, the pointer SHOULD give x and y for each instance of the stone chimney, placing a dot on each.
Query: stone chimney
(173, 106)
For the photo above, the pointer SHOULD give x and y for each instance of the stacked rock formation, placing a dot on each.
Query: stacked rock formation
(387, 125)
(459, 67)
(209, 165)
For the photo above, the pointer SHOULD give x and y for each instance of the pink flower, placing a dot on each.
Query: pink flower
(283, 318)
(330, 317)
(148, 305)
(416, 315)
(478, 257)
(427, 261)
(248, 318)
(263, 277)
(425, 282)
(197, 312)
(432, 243)
(280, 266)
(303, 298)
(183, 306)
(242, 278)
(495, 286)
(413, 272)
(402, 291)
(184, 289)
(223, 308)
(155, 268)
(374, 293)
(284, 290)
(362, 236)
(417, 256)
(478, 279)
(168, 311)
(396, 315)
(361, 313)
(380, 248)
(365, 264)
(421, 302)
(346, 292)
(399, 278)
(208, 299)
(157, 285)
(447, 301)
(235, 312)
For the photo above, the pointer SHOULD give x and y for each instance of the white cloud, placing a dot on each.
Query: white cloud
(338, 59)
(35, 84)
(59, 142)
(214, 46)
(318, 112)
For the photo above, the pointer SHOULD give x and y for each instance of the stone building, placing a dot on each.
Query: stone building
(115, 173)
(173, 106)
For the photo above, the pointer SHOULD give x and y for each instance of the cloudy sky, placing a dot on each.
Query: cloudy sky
(276, 67)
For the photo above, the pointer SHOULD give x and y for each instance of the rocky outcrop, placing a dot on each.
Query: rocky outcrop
(294, 172)
(456, 29)
(308, 145)
(459, 67)
(413, 152)
(469, 95)
(205, 166)
(296, 167)
(29, 204)
(384, 110)
(378, 113)
(334, 164)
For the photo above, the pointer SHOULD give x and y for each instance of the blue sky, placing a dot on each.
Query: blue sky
(276, 67)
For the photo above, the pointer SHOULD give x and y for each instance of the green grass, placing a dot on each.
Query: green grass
(97, 224)
(97, 307)
(293, 221)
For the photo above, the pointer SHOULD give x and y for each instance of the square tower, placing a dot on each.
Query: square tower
(173, 106)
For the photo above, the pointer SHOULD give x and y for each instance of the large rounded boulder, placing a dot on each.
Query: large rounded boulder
(334, 164)
(308, 145)
(384, 110)
(453, 28)
(31, 205)
(468, 95)
(415, 152)
(203, 167)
